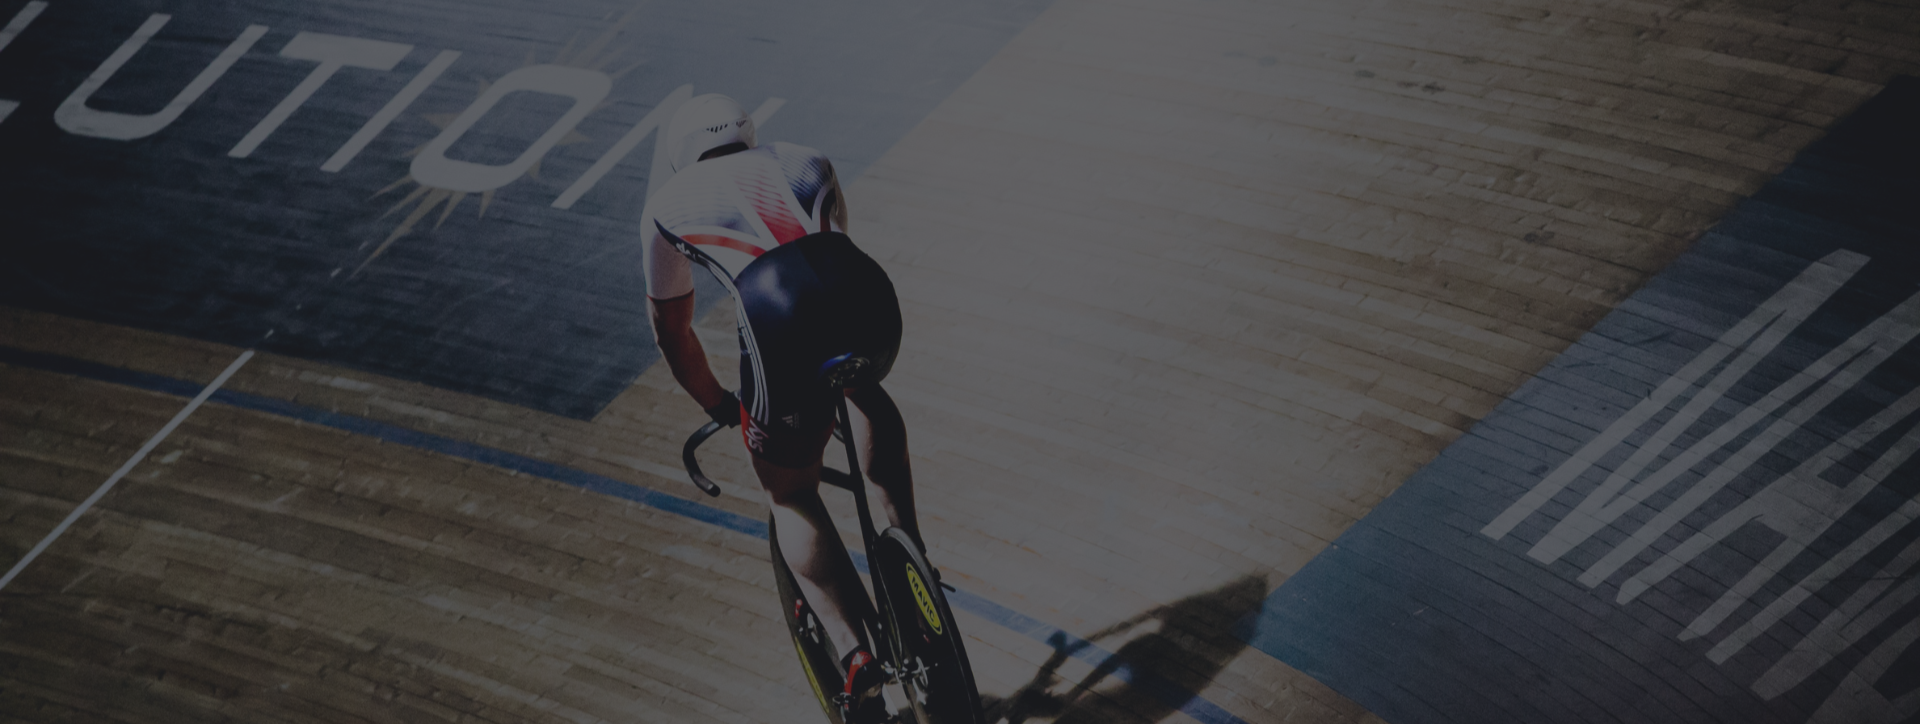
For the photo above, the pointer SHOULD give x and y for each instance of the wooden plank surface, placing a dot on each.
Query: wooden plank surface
(1189, 288)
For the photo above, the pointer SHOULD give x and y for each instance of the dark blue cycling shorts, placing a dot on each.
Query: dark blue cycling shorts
(818, 316)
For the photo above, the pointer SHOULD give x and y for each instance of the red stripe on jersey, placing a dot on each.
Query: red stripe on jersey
(726, 242)
(772, 207)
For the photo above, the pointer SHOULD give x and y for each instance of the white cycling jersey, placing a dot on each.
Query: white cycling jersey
(734, 208)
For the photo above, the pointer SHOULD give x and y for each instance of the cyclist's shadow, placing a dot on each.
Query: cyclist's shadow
(1149, 677)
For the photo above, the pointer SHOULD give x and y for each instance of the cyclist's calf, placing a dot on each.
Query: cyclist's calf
(881, 435)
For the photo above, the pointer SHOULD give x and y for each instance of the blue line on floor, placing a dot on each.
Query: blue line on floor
(1165, 691)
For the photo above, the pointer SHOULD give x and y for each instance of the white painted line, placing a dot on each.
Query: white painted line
(128, 467)
(20, 21)
(392, 110)
(765, 112)
(333, 53)
(655, 120)
(7, 34)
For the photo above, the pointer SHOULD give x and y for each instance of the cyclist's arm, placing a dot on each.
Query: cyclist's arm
(673, 331)
(669, 274)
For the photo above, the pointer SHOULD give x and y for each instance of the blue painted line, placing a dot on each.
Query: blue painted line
(394, 434)
(498, 458)
(1167, 692)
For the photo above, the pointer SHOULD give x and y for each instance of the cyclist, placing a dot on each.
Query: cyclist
(818, 320)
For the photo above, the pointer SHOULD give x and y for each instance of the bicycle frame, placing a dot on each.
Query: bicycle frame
(851, 481)
(902, 635)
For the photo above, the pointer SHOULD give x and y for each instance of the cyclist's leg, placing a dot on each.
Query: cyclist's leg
(881, 436)
(803, 305)
(786, 426)
(808, 540)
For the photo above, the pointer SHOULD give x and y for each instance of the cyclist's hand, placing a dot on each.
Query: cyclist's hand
(727, 413)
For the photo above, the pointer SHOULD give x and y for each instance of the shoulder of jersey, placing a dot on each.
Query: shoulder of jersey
(701, 177)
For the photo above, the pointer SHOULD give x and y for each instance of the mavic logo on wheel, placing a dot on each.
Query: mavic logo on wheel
(925, 599)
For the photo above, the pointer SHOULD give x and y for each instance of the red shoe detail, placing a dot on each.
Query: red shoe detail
(860, 678)
(861, 702)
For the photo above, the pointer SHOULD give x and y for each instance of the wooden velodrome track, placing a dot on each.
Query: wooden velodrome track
(1190, 287)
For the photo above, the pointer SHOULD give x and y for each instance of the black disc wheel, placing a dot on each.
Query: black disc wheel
(933, 660)
(817, 656)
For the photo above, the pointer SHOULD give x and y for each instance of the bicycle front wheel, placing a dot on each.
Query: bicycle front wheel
(933, 658)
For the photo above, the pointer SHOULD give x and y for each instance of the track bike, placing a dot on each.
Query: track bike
(914, 638)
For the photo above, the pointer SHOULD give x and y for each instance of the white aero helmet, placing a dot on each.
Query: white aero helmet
(704, 123)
